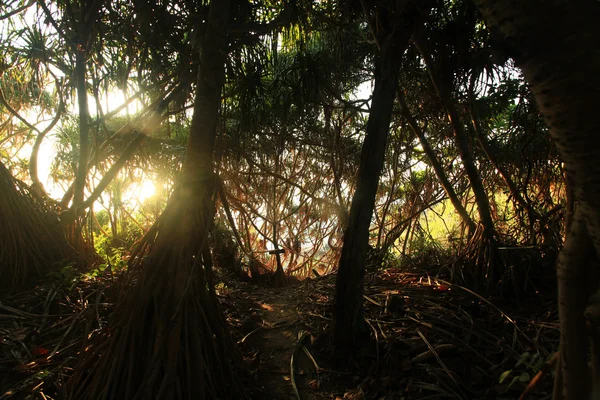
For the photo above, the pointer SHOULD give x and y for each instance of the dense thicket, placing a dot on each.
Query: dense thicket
(320, 136)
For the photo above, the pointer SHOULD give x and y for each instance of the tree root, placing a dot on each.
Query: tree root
(168, 339)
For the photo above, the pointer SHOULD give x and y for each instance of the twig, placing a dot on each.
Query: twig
(317, 368)
(301, 336)
(376, 344)
(486, 301)
(242, 340)
(16, 10)
(426, 355)
(437, 357)
(370, 300)
(547, 367)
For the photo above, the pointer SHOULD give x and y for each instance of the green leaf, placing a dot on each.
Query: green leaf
(524, 377)
(512, 382)
(504, 375)
(523, 359)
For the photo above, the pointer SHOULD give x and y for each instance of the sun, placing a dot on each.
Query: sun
(136, 194)
(146, 190)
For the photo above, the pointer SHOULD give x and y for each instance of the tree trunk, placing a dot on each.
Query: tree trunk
(570, 200)
(556, 45)
(84, 113)
(512, 187)
(68, 216)
(517, 197)
(389, 200)
(169, 339)
(437, 167)
(573, 276)
(333, 154)
(33, 158)
(279, 275)
(349, 326)
(466, 155)
(462, 143)
(395, 233)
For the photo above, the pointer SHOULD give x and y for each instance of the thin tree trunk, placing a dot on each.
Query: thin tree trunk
(409, 232)
(462, 143)
(400, 227)
(33, 158)
(154, 112)
(388, 200)
(337, 186)
(279, 275)
(437, 167)
(349, 326)
(514, 192)
(84, 129)
(69, 215)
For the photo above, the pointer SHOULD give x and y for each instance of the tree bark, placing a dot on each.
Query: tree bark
(573, 278)
(84, 112)
(349, 326)
(556, 45)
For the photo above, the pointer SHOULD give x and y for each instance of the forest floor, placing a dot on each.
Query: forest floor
(432, 339)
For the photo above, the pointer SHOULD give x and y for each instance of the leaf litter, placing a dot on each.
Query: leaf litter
(432, 339)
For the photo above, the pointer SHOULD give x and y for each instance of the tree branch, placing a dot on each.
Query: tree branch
(17, 10)
(15, 113)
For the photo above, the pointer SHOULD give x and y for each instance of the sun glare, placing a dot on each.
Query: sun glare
(146, 189)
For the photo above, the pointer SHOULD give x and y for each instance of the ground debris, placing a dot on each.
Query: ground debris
(434, 340)
(446, 341)
(41, 332)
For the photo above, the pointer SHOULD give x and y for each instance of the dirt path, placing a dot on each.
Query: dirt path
(275, 324)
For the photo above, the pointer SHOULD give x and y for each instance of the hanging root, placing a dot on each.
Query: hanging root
(477, 266)
(169, 338)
